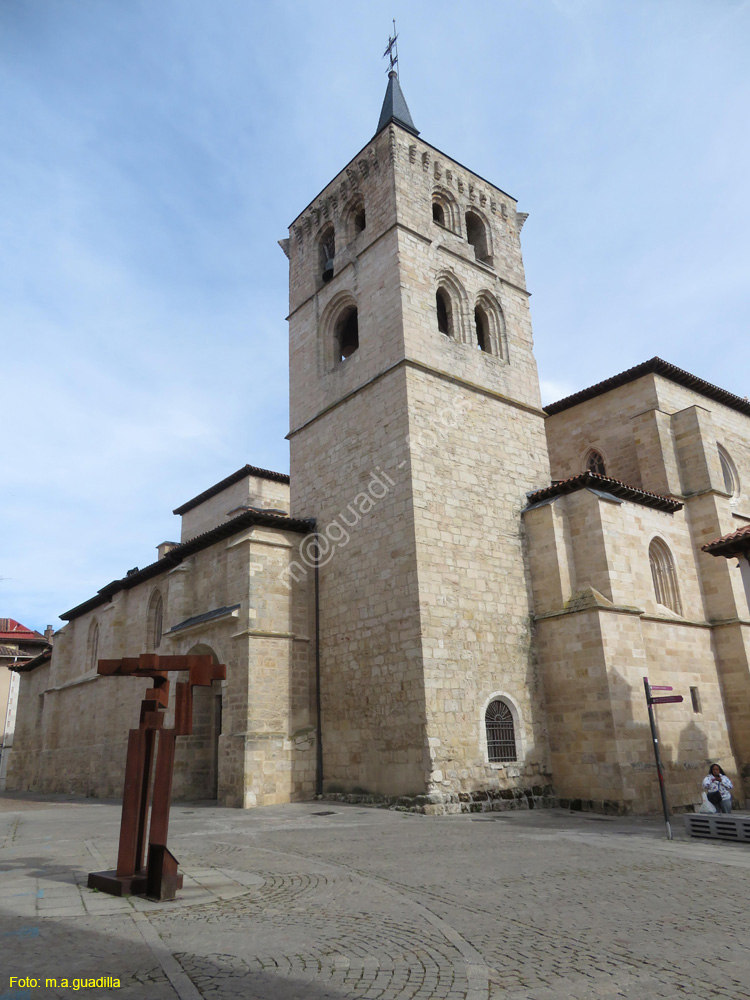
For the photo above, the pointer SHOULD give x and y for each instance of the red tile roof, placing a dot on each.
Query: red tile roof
(592, 480)
(735, 543)
(44, 657)
(12, 630)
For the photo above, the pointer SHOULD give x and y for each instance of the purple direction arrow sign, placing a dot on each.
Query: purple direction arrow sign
(671, 699)
(660, 687)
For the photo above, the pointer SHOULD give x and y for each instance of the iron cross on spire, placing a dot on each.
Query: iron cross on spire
(391, 50)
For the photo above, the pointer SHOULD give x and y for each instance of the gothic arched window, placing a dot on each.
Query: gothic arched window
(155, 619)
(664, 576)
(731, 479)
(92, 645)
(595, 462)
(501, 735)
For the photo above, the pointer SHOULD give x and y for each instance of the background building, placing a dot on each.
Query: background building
(18, 645)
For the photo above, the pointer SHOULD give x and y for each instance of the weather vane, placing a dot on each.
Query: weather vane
(391, 50)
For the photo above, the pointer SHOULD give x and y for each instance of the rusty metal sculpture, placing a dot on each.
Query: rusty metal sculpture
(158, 878)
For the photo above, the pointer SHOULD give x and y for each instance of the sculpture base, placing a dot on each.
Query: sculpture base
(123, 885)
(118, 885)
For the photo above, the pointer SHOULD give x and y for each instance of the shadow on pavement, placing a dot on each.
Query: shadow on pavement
(56, 948)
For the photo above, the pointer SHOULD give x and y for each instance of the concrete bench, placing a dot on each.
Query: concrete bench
(718, 826)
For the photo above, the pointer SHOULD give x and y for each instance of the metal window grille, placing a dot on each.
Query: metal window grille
(501, 737)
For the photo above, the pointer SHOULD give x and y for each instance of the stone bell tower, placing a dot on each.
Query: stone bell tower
(416, 431)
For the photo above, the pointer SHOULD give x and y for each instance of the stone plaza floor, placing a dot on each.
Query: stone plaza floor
(323, 900)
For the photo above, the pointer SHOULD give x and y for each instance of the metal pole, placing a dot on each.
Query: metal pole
(659, 768)
(319, 722)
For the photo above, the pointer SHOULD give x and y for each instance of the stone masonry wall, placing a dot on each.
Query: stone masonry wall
(473, 460)
(73, 724)
(347, 475)
(252, 490)
(603, 423)
(600, 632)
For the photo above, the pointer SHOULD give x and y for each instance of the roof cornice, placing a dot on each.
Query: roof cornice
(212, 491)
(603, 484)
(176, 555)
(655, 366)
(735, 544)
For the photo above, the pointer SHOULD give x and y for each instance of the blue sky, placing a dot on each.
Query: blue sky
(154, 151)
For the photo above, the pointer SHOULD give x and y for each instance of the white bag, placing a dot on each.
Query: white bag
(706, 806)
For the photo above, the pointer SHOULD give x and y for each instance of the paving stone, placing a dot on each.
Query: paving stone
(383, 906)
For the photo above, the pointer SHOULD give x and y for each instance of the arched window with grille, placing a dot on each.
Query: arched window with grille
(595, 462)
(501, 733)
(664, 576)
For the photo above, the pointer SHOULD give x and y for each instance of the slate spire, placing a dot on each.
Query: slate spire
(394, 107)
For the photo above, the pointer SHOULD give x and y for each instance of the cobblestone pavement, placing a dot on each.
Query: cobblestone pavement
(316, 901)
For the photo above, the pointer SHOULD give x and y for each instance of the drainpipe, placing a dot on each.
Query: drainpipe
(319, 724)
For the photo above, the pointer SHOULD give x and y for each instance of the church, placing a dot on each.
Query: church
(451, 603)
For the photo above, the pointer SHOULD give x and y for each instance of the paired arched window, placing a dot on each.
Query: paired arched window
(595, 463)
(729, 472)
(92, 645)
(501, 734)
(444, 311)
(155, 619)
(664, 576)
(487, 332)
(444, 210)
(481, 329)
(326, 251)
(355, 218)
(489, 325)
(450, 299)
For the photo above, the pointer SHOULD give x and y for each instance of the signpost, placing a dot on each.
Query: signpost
(651, 701)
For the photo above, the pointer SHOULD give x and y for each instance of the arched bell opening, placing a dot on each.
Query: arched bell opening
(327, 252)
(347, 334)
(476, 234)
(444, 312)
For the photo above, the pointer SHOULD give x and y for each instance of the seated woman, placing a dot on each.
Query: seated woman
(718, 788)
